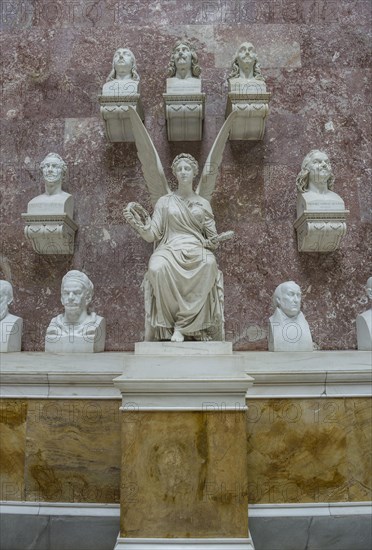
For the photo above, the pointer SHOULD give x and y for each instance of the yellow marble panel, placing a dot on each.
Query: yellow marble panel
(309, 450)
(12, 448)
(73, 451)
(184, 474)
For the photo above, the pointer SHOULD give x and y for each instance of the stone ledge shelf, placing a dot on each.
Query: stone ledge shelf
(276, 375)
(50, 234)
(320, 231)
(115, 114)
(252, 109)
(184, 114)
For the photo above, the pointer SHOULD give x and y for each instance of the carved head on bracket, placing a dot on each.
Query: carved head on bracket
(54, 169)
(123, 66)
(245, 64)
(184, 61)
(316, 173)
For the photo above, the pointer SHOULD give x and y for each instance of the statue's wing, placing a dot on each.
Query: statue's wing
(151, 165)
(210, 171)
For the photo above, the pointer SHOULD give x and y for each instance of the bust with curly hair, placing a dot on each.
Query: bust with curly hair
(245, 71)
(315, 184)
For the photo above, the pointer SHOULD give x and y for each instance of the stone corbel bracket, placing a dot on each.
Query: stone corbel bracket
(252, 110)
(50, 234)
(115, 114)
(184, 114)
(320, 231)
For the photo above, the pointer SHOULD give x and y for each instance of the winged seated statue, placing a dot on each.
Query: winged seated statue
(183, 286)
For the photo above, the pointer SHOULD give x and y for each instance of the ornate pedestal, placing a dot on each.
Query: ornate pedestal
(320, 231)
(184, 113)
(252, 109)
(114, 111)
(50, 234)
(184, 456)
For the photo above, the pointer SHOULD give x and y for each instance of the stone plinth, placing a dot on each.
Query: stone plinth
(115, 114)
(320, 231)
(252, 109)
(184, 472)
(50, 234)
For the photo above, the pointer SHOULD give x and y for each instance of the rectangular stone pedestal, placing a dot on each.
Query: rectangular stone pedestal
(184, 457)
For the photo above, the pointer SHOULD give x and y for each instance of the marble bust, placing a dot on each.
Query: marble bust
(76, 330)
(364, 324)
(10, 325)
(54, 200)
(123, 79)
(315, 185)
(245, 76)
(183, 69)
(288, 328)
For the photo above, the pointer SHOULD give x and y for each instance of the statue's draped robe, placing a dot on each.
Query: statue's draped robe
(183, 286)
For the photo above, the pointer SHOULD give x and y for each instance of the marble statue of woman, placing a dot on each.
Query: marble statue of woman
(183, 285)
(123, 79)
(245, 76)
(315, 185)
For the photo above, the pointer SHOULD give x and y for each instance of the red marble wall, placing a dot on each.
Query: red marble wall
(56, 57)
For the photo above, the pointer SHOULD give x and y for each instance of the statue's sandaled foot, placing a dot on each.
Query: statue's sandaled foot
(177, 336)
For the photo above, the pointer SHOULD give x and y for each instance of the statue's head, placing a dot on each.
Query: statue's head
(287, 297)
(76, 292)
(315, 168)
(6, 298)
(186, 159)
(245, 58)
(123, 65)
(53, 168)
(184, 56)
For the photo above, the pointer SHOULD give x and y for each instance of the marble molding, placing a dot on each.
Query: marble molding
(184, 101)
(10, 325)
(247, 95)
(76, 330)
(364, 323)
(321, 213)
(288, 329)
(49, 224)
(121, 91)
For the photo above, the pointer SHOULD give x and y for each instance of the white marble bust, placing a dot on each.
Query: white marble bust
(364, 324)
(183, 69)
(10, 325)
(315, 185)
(76, 330)
(123, 79)
(54, 200)
(245, 76)
(288, 328)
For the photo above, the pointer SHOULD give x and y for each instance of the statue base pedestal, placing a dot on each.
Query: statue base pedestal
(252, 109)
(184, 114)
(320, 231)
(184, 457)
(115, 114)
(50, 234)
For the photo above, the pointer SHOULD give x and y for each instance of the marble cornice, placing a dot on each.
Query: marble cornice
(90, 376)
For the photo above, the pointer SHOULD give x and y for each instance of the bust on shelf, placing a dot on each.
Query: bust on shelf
(123, 79)
(76, 330)
(183, 69)
(246, 76)
(54, 200)
(288, 328)
(315, 185)
(364, 324)
(10, 325)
